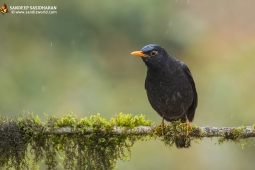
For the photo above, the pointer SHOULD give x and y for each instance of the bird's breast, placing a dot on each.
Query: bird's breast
(168, 91)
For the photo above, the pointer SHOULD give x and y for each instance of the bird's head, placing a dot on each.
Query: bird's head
(153, 55)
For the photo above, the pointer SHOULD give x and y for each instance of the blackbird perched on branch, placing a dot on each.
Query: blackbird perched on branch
(169, 85)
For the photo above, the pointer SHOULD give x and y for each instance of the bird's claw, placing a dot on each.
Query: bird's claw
(188, 126)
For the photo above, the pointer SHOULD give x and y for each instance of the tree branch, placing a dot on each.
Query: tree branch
(93, 142)
(243, 131)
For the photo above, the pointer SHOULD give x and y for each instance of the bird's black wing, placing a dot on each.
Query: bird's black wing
(192, 108)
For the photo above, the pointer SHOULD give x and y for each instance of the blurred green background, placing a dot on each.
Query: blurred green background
(79, 59)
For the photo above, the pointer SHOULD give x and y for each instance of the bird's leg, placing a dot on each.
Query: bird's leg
(162, 127)
(187, 125)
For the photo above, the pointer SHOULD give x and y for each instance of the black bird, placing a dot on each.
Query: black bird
(169, 85)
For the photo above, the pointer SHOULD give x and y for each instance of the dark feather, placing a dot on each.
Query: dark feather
(192, 108)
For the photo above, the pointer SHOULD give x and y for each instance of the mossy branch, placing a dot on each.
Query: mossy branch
(243, 131)
(92, 143)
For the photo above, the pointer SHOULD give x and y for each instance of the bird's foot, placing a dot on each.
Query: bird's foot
(161, 126)
(188, 126)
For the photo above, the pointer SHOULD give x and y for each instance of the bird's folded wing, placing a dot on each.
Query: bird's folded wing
(193, 107)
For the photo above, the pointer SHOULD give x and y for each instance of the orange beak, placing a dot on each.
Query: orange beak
(138, 54)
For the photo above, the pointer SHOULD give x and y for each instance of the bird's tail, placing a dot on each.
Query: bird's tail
(182, 142)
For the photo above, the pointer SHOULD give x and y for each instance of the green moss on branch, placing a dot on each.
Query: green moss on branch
(98, 149)
(93, 142)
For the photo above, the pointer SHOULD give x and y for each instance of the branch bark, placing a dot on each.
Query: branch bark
(103, 142)
(243, 131)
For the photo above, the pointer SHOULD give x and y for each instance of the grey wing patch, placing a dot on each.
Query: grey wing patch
(192, 108)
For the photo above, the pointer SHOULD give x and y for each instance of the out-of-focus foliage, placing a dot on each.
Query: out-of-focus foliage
(79, 60)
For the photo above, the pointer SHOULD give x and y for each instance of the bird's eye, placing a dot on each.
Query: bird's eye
(153, 53)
